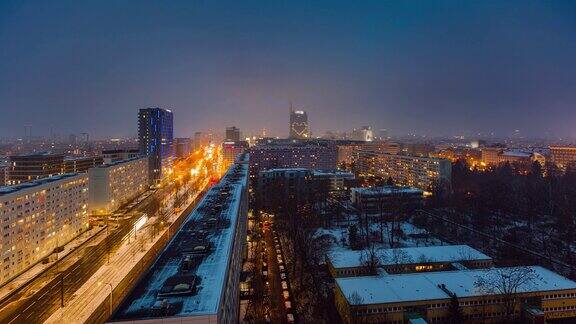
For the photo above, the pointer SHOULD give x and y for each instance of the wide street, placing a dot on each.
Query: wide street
(36, 300)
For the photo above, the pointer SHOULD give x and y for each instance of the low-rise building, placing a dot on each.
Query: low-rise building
(498, 155)
(114, 184)
(541, 296)
(387, 198)
(348, 263)
(39, 216)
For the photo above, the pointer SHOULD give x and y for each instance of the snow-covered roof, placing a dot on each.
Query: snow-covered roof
(425, 286)
(319, 172)
(286, 170)
(4, 190)
(386, 190)
(213, 269)
(410, 255)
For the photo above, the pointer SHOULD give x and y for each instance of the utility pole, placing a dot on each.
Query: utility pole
(62, 289)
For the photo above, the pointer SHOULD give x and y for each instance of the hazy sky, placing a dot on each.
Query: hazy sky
(431, 67)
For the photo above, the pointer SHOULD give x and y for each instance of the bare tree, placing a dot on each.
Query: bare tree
(506, 282)
(355, 299)
(398, 258)
(370, 258)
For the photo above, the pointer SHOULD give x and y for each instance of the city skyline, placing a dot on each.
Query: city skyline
(287, 162)
(426, 68)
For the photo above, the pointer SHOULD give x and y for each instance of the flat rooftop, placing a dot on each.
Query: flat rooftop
(37, 154)
(386, 190)
(212, 224)
(111, 164)
(410, 255)
(414, 287)
(334, 172)
(5, 190)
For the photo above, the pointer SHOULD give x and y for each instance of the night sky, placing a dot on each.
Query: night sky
(430, 67)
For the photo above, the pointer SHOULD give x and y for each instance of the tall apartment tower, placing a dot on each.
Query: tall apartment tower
(155, 135)
(299, 128)
(232, 134)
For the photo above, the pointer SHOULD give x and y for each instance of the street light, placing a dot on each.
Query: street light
(111, 290)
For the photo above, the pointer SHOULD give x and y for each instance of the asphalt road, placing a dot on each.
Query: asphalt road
(36, 301)
(277, 311)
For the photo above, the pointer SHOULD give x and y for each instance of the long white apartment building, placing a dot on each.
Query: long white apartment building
(39, 216)
(114, 184)
(406, 170)
(196, 278)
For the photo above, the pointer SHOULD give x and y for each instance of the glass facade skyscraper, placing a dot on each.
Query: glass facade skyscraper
(155, 136)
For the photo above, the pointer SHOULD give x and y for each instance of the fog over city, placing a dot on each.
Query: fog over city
(282, 162)
(422, 67)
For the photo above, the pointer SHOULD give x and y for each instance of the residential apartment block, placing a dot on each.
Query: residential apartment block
(420, 172)
(38, 217)
(114, 184)
(563, 156)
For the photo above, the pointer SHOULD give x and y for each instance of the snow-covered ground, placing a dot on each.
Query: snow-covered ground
(413, 236)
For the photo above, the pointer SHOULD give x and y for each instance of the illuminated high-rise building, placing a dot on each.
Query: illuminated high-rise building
(155, 135)
(299, 128)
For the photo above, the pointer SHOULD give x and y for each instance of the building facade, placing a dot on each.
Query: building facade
(3, 171)
(385, 199)
(428, 296)
(364, 134)
(34, 166)
(38, 217)
(110, 156)
(113, 185)
(294, 155)
(155, 135)
(183, 146)
(563, 156)
(81, 164)
(231, 150)
(299, 128)
(497, 155)
(232, 134)
(425, 173)
(335, 180)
